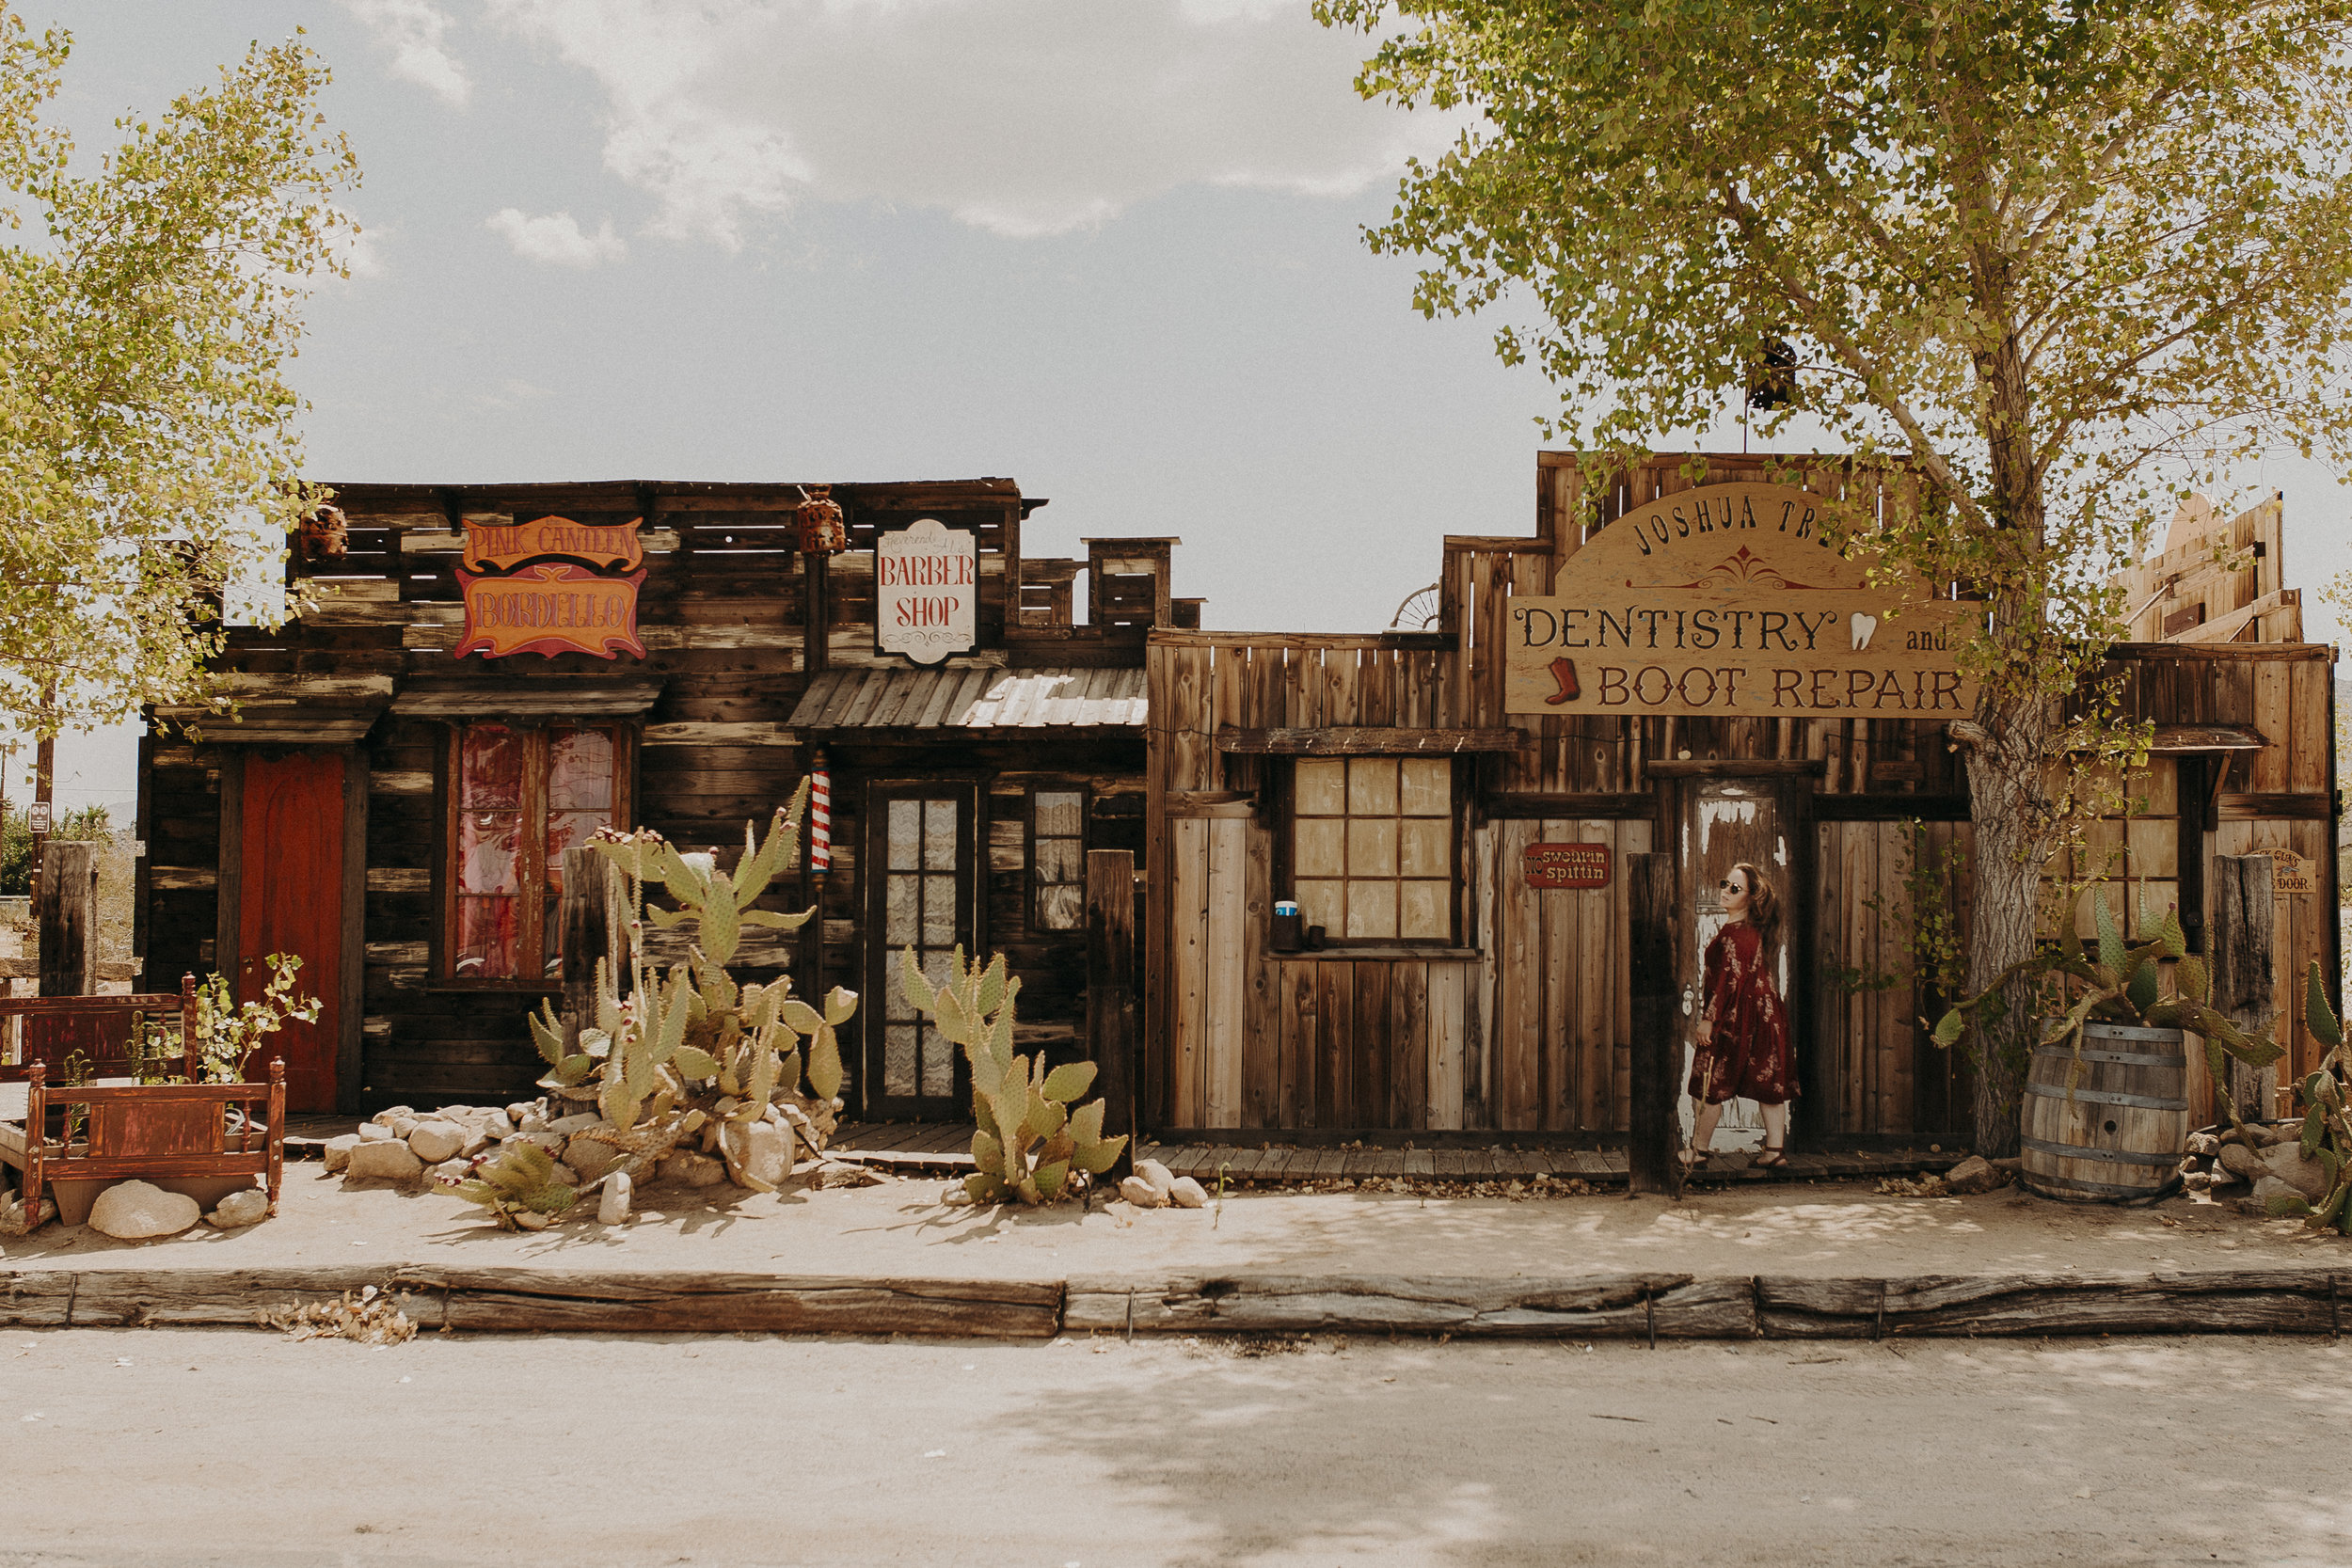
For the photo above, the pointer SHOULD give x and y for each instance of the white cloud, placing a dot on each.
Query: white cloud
(413, 30)
(1022, 117)
(556, 238)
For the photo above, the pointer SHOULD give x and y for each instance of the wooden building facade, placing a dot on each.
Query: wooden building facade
(395, 812)
(1378, 780)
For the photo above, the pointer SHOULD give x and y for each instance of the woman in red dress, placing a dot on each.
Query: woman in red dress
(1743, 1027)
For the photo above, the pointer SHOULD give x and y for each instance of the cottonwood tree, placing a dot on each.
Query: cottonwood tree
(148, 302)
(2054, 257)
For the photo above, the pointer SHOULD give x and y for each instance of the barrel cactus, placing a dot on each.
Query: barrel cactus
(692, 1053)
(1030, 1145)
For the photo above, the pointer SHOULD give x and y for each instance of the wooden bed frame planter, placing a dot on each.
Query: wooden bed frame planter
(167, 1130)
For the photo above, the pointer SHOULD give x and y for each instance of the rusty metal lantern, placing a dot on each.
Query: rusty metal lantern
(326, 535)
(822, 531)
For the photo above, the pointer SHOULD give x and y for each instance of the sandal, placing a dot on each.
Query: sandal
(1771, 1159)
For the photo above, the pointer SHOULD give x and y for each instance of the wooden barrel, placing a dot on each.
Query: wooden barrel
(2122, 1131)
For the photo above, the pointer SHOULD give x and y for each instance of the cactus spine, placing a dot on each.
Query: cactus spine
(1029, 1145)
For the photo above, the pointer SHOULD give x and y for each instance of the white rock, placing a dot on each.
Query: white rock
(759, 1150)
(388, 1161)
(519, 1110)
(695, 1170)
(2286, 1163)
(553, 1142)
(476, 1141)
(436, 1141)
(401, 1125)
(389, 1113)
(1141, 1193)
(2266, 1189)
(612, 1207)
(563, 1176)
(374, 1132)
(239, 1209)
(569, 1125)
(1188, 1194)
(590, 1158)
(531, 1220)
(956, 1195)
(499, 1124)
(339, 1152)
(450, 1172)
(1163, 1180)
(137, 1211)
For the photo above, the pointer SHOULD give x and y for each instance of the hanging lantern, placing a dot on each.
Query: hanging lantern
(822, 531)
(820, 815)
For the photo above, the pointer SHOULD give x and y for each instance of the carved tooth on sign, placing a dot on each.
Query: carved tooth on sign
(1864, 628)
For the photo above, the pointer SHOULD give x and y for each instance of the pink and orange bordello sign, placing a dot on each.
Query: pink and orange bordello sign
(550, 586)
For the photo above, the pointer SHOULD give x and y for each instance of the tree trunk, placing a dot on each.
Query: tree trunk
(2005, 890)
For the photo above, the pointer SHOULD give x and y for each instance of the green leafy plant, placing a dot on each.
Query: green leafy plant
(228, 1032)
(1029, 1143)
(2326, 1123)
(691, 1053)
(2122, 984)
(519, 1187)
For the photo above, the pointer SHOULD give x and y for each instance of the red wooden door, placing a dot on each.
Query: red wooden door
(290, 900)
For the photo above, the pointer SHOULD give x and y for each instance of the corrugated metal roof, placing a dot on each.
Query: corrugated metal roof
(970, 699)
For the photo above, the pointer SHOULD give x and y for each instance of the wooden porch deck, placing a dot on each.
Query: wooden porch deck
(944, 1147)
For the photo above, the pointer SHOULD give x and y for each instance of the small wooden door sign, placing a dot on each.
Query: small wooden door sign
(2290, 872)
(551, 586)
(1551, 865)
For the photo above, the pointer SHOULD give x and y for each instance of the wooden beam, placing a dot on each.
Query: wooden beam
(1110, 1005)
(1654, 1139)
(2221, 628)
(2206, 737)
(1574, 807)
(2288, 807)
(1365, 740)
(2223, 652)
(1732, 767)
(1890, 808)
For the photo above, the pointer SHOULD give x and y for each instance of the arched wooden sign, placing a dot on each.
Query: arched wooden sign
(1727, 601)
(551, 586)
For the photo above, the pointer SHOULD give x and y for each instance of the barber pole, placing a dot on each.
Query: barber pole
(820, 816)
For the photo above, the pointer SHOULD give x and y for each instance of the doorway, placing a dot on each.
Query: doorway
(922, 895)
(291, 838)
(1760, 812)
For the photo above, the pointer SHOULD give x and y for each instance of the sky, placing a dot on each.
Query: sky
(1111, 250)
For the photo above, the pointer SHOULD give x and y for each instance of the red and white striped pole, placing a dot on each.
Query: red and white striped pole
(821, 815)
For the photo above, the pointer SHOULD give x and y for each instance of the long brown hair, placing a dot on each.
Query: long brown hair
(1763, 904)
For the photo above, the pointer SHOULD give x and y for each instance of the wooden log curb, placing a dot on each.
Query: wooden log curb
(1643, 1306)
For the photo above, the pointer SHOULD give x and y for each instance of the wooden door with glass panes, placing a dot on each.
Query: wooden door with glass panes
(921, 894)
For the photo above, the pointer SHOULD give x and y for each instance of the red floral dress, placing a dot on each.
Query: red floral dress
(1748, 1055)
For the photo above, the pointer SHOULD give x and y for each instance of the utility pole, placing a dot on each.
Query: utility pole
(39, 818)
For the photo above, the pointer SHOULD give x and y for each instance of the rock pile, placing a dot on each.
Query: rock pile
(2252, 1165)
(445, 1146)
(1153, 1187)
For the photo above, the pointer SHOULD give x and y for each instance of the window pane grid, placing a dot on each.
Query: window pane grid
(1372, 854)
(1058, 858)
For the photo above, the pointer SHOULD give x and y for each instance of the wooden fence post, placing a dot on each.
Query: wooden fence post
(65, 911)
(1654, 1138)
(1111, 994)
(585, 914)
(2245, 920)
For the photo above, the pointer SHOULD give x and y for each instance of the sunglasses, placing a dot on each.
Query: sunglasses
(1727, 885)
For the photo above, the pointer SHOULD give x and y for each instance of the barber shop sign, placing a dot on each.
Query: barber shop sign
(927, 583)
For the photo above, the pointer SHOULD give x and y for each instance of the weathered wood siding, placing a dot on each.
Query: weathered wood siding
(1526, 1028)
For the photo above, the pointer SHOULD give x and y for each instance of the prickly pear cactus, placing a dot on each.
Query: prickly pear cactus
(2326, 1119)
(1030, 1147)
(689, 1052)
(519, 1188)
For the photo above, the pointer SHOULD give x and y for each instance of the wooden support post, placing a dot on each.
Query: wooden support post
(65, 911)
(587, 935)
(1111, 994)
(1653, 1139)
(2245, 925)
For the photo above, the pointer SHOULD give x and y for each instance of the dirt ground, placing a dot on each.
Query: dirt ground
(225, 1449)
(902, 1230)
